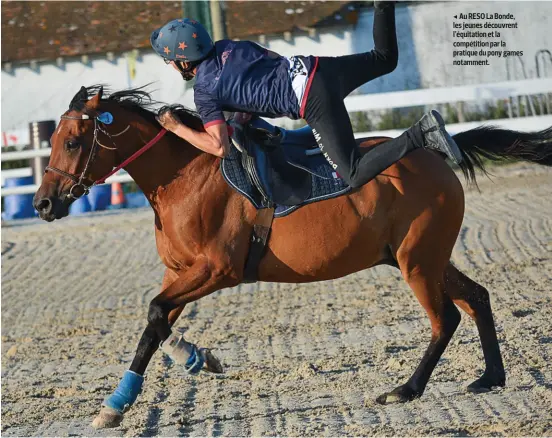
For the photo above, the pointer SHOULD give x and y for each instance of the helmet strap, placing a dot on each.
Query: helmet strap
(187, 73)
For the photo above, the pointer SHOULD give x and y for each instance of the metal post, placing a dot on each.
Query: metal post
(460, 111)
(40, 133)
(217, 20)
(200, 11)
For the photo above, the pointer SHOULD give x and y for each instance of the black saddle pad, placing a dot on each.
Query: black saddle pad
(326, 184)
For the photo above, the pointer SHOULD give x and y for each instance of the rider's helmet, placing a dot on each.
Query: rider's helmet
(182, 40)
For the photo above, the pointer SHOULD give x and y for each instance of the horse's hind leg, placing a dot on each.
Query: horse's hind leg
(444, 318)
(423, 254)
(474, 300)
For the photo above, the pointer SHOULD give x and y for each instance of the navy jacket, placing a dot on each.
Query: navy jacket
(240, 76)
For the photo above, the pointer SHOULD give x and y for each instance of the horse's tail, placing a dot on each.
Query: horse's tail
(497, 144)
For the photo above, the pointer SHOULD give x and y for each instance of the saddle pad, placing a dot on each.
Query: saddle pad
(325, 183)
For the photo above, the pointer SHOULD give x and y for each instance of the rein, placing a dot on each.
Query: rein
(78, 180)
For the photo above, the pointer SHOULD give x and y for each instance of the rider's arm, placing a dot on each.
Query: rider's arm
(215, 138)
(213, 141)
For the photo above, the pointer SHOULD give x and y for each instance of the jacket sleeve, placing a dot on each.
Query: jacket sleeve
(208, 109)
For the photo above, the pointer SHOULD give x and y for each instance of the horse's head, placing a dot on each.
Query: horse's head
(82, 152)
(97, 134)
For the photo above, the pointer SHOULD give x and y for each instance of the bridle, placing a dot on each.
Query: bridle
(78, 180)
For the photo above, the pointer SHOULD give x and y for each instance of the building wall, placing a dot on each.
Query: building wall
(432, 38)
(425, 45)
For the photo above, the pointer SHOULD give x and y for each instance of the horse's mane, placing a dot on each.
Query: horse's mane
(137, 100)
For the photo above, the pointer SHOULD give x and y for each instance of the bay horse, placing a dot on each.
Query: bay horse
(408, 217)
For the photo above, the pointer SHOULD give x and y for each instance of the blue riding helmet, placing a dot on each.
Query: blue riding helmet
(182, 40)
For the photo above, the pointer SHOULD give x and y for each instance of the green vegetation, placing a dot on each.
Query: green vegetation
(13, 164)
(404, 118)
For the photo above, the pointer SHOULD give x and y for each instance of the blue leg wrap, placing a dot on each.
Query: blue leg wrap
(126, 393)
(195, 362)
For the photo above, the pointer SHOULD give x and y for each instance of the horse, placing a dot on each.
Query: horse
(407, 217)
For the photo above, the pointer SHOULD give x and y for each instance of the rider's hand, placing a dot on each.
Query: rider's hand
(242, 118)
(168, 120)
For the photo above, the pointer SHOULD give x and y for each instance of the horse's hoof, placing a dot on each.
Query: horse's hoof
(107, 418)
(485, 384)
(212, 364)
(402, 394)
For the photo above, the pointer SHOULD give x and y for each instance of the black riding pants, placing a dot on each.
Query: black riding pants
(326, 114)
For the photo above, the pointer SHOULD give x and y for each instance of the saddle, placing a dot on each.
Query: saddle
(277, 179)
(279, 168)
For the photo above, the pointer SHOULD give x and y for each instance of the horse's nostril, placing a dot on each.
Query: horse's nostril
(44, 205)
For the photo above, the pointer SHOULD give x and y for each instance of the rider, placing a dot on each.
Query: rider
(245, 78)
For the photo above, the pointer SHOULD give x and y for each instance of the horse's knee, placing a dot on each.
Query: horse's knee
(156, 313)
(158, 318)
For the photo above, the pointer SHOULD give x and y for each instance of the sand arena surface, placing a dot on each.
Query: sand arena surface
(300, 359)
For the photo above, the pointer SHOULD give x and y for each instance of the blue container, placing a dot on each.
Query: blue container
(100, 197)
(80, 206)
(18, 206)
(136, 200)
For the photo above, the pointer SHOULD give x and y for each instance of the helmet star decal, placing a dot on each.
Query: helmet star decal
(166, 50)
(160, 35)
(194, 35)
(182, 45)
(172, 28)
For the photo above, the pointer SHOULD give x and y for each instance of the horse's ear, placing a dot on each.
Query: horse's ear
(94, 103)
(82, 95)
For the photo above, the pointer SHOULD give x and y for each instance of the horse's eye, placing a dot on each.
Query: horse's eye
(72, 144)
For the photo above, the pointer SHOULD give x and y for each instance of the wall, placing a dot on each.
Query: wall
(432, 41)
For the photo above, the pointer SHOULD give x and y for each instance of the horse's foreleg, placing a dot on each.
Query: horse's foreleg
(149, 343)
(199, 280)
(130, 386)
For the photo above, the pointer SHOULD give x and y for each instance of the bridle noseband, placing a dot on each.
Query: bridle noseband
(78, 180)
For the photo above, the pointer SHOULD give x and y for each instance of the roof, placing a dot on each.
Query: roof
(275, 17)
(47, 30)
(50, 29)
